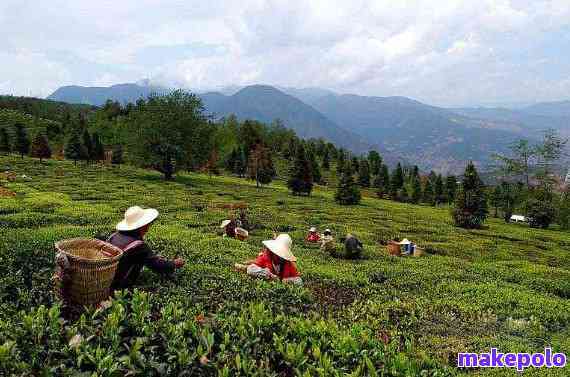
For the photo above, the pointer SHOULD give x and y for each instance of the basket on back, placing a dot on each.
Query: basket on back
(92, 267)
(393, 248)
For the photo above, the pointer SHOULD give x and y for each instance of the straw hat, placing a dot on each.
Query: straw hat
(136, 217)
(313, 229)
(405, 241)
(225, 223)
(281, 246)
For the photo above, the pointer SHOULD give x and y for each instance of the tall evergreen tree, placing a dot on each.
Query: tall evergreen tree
(382, 181)
(74, 150)
(439, 191)
(355, 164)
(496, 197)
(40, 147)
(240, 165)
(450, 188)
(87, 145)
(117, 158)
(396, 181)
(428, 194)
(347, 192)
(260, 165)
(416, 195)
(315, 168)
(300, 176)
(98, 148)
(470, 204)
(364, 174)
(5, 146)
(326, 159)
(340, 161)
(375, 162)
(22, 141)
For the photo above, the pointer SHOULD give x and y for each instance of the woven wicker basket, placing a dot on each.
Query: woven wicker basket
(242, 234)
(393, 248)
(92, 267)
(418, 251)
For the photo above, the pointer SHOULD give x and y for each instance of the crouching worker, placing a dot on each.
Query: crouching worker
(275, 262)
(327, 243)
(136, 254)
(313, 236)
(353, 247)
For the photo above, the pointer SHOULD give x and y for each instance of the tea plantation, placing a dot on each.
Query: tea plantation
(505, 286)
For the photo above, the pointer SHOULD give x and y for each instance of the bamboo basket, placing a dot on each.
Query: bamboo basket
(92, 267)
(418, 251)
(393, 248)
(242, 234)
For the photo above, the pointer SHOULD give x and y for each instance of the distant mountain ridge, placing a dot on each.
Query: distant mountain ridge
(399, 127)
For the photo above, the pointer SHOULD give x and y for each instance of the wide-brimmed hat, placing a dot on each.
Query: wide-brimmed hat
(281, 246)
(405, 241)
(136, 217)
(225, 223)
(313, 229)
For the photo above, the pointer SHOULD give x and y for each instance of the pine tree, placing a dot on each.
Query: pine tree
(450, 188)
(87, 145)
(117, 158)
(355, 164)
(260, 166)
(364, 174)
(98, 148)
(240, 166)
(326, 160)
(22, 142)
(74, 150)
(230, 161)
(496, 197)
(396, 181)
(470, 204)
(40, 147)
(340, 161)
(382, 181)
(5, 146)
(375, 162)
(428, 194)
(315, 168)
(211, 166)
(416, 195)
(439, 190)
(347, 192)
(300, 177)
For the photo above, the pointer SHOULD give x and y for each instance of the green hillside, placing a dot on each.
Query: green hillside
(505, 286)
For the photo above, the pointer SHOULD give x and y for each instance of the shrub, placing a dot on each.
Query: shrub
(471, 204)
(540, 213)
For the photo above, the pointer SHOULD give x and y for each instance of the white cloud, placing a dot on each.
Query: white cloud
(446, 52)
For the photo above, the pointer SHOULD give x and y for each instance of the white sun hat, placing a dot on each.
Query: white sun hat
(405, 241)
(281, 246)
(313, 229)
(225, 223)
(136, 217)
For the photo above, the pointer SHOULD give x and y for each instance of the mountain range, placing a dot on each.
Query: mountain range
(401, 128)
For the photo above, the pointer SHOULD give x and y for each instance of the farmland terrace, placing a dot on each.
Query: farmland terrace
(505, 286)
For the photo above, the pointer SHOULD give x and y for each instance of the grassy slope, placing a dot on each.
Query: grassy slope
(505, 286)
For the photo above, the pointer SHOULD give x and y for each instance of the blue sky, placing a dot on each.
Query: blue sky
(450, 53)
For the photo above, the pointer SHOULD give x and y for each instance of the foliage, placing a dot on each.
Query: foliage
(375, 161)
(347, 192)
(541, 213)
(450, 188)
(98, 148)
(5, 144)
(117, 157)
(564, 211)
(87, 143)
(470, 204)
(260, 167)
(22, 141)
(364, 173)
(300, 176)
(40, 147)
(396, 181)
(74, 150)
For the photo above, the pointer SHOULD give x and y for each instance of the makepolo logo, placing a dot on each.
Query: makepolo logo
(495, 359)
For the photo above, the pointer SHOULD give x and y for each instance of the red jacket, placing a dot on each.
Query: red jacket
(313, 237)
(287, 270)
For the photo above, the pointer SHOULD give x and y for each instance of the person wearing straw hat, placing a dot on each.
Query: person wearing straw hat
(313, 236)
(276, 261)
(353, 247)
(229, 228)
(136, 253)
(327, 242)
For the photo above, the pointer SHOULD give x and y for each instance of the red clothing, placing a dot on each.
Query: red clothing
(313, 237)
(288, 268)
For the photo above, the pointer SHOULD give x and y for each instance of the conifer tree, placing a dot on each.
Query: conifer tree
(22, 141)
(40, 147)
(315, 168)
(300, 176)
(416, 195)
(396, 181)
(240, 166)
(117, 158)
(355, 164)
(260, 165)
(470, 204)
(326, 160)
(364, 174)
(382, 181)
(340, 161)
(87, 145)
(450, 188)
(5, 146)
(375, 162)
(74, 150)
(428, 194)
(438, 190)
(347, 192)
(98, 148)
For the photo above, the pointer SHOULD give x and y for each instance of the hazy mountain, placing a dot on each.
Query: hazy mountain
(266, 103)
(552, 109)
(97, 96)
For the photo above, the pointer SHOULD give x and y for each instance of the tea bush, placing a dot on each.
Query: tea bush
(504, 286)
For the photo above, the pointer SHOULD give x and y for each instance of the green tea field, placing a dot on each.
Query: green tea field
(505, 286)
